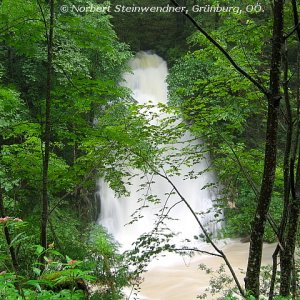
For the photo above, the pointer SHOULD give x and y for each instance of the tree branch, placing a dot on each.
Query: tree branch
(207, 236)
(296, 20)
(223, 51)
(198, 250)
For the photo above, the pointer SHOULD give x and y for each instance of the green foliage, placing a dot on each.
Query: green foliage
(126, 139)
(11, 110)
(227, 112)
(252, 298)
(220, 283)
(108, 265)
(88, 63)
(95, 133)
(9, 291)
(61, 276)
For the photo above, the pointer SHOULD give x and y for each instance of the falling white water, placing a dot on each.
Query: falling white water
(148, 82)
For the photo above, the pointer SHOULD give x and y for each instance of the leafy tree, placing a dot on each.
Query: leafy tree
(273, 95)
(84, 62)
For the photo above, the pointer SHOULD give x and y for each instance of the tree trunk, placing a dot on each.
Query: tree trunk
(12, 251)
(7, 235)
(47, 131)
(288, 165)
(264, 199)
(287, 254)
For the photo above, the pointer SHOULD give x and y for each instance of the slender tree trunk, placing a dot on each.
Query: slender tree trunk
(257, 232)
(12, 251)
(47, 131)
(287, 254)
(264, 200)
(7, 235)
(287, 175)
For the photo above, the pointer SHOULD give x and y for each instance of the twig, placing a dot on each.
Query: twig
(198, 250)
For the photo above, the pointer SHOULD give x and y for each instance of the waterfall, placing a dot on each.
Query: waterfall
(148, 82)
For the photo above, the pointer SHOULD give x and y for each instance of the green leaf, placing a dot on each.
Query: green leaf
(39, 249)
(37, 271)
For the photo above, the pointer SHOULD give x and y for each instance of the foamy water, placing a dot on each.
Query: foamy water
(148, 82)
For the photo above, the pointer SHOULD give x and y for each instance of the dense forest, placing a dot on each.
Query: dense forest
(68, 119)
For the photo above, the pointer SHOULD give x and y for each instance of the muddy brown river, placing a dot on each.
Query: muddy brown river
(183, 280)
